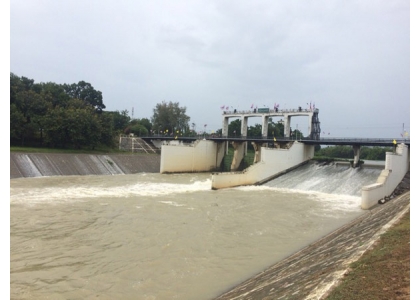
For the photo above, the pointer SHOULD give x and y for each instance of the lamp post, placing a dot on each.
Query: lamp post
(193, 126)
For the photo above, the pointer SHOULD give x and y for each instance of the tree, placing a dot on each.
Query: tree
(368, 153)
(138, 127)
(16, 86)
(374, 153)
(84, 91)
(119, 120)
(168, 117)
(234, 128)
(75, 126)
(255, 131)
(32, 107)
(19, 84)
(297, 134)
(106, 129)
(55, 94)
(17, 122)
(275, 129)
(146, 123)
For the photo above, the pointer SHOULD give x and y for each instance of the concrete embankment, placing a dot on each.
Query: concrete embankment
(312, 272)
(58, 164)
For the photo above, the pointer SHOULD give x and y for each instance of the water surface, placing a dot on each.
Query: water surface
(157, 236)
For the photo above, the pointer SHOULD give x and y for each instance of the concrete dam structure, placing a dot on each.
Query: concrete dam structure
(206, 156)
(273, 157)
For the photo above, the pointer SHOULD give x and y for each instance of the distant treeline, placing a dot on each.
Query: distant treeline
(366, 153)
(60, 115)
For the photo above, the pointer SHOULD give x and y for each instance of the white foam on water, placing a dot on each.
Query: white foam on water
(160, 189)
(172, 203)
(335, 202)
(330, 202)
(79, 192)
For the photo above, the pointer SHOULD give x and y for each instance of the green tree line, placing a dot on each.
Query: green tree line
(346, 152)
(66, 116)
(58, 115)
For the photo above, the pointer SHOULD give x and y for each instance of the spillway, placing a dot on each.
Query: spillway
(330, 179)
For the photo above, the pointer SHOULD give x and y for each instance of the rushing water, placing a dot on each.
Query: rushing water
(156, 236)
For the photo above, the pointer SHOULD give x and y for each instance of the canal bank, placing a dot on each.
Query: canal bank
(315, 270)
(67, 164)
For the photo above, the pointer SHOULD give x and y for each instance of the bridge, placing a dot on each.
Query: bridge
(265, 114)
(371, 142)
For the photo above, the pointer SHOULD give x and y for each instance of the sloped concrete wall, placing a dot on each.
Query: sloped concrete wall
(56, 164)
(396, 166)
(273, 162)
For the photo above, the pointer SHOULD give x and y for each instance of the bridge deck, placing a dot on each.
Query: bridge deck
(322, 141)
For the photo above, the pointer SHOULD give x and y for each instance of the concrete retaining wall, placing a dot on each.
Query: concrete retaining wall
(396, 166)
(201, 156)
(56, 164)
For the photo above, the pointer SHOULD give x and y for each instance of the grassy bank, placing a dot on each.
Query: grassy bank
(383, 272)
(101, 150)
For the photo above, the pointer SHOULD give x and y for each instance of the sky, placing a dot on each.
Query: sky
(351, 59)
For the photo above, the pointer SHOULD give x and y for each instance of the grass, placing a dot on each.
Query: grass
(248, 159)
(383, 272)
(99, 150)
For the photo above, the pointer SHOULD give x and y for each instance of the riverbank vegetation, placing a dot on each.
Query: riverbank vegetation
(97, 150)
(73, 116)
(346, 152)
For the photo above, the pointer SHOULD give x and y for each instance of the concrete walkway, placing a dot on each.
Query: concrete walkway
(313, 271)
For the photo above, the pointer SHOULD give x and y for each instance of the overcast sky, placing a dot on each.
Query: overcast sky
(349, 58)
